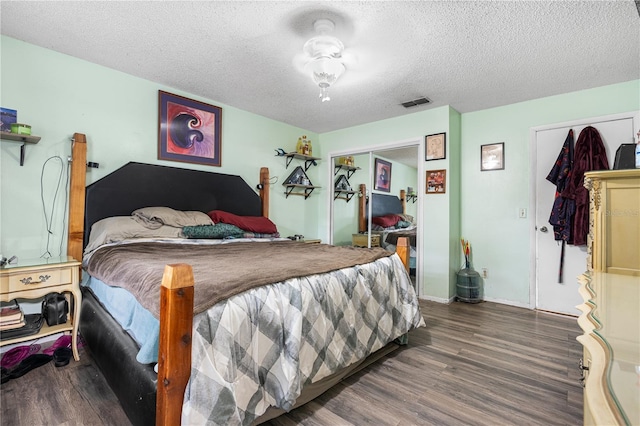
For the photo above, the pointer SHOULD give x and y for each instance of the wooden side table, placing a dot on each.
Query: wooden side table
(36, 278)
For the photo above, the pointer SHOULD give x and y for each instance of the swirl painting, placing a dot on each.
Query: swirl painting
(189, 131)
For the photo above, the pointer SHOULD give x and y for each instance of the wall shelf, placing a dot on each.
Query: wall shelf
(350, 169)
(25, 139)
(344, 195)
(306, 189)
(308, 160)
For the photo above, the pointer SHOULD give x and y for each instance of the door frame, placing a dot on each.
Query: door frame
(533, 132)
(418, 142)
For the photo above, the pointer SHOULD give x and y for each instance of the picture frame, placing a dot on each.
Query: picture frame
(492, 156)
(342, 184)
(189, 131)
(435, 147)
(382, 175)
(298, 177)
(436, 181)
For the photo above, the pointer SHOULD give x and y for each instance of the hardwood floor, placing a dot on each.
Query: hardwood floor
(476, 364)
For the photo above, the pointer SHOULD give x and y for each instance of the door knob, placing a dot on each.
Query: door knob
(544, 229)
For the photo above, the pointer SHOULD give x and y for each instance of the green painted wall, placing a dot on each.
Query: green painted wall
(490, 200)
(59, 95)
(436, 271)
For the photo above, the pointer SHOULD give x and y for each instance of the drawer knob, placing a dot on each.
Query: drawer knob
(29, 280)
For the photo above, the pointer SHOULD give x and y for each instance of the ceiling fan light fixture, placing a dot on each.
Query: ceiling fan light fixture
(324, 72)
(325, 65)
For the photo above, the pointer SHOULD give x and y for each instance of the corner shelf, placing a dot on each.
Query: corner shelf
(350, 169)
(308, 160)
(25, 139)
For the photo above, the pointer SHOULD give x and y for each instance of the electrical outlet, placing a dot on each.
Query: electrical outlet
(485, 273)
(522, 213)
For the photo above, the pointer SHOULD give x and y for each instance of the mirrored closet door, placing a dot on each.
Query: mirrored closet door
(375, 198)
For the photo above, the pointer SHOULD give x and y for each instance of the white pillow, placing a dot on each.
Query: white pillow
(118, 228)
(152, 216)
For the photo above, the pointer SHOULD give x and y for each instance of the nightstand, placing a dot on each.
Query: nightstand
(36, 278)
(361, 240)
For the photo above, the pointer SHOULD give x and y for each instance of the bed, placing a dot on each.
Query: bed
(390, 221)
(258, 350)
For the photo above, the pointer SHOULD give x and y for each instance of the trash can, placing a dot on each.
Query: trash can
(469, 286)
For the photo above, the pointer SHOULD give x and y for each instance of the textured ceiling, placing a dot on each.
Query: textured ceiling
(471, 55)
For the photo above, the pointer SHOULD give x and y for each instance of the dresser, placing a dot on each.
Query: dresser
(613, 243)
(610, 290)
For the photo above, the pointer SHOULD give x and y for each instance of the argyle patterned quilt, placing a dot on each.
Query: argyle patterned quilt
(259, 348)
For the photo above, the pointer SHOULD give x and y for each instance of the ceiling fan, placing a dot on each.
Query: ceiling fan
(324, 57)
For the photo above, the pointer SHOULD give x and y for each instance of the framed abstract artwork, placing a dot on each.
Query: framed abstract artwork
(189, 131)
(492, 157)
(382, 175)
(435, 147)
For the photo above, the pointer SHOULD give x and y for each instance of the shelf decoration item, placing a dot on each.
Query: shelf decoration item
(298, 177)
(189, 131)
(342, 184)
(303, 146)
(7, 117)
(20, 129)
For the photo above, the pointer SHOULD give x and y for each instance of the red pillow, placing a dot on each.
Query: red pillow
(257, 224)
(386, 221)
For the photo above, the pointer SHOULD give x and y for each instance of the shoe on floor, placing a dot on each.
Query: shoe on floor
(61, 356)
(26, 365)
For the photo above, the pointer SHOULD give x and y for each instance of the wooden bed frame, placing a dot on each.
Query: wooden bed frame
(388, 204)
(176, 297)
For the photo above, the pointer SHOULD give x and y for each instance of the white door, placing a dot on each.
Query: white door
(551, 294)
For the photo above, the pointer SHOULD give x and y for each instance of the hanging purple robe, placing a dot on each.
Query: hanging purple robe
(563, 208)
(590, 154)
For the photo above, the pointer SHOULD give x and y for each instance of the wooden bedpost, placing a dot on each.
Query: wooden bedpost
(77, 179)
(174, 353)
(264, 190)
(362, 205)
(403, 200)
(403, 250)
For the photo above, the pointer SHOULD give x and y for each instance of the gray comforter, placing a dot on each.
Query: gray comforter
(220, 271)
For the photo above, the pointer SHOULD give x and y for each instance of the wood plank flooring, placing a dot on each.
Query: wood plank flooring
(475, 364)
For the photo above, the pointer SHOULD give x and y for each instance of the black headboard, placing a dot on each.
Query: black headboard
(383, 204)
(137, 185)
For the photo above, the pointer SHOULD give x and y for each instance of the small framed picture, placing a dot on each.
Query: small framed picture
(435, 147)
(492, 156)
(188, 130)
(436, 181)
(383, 175)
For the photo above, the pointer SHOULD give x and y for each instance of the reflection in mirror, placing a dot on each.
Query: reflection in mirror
(403, 177)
